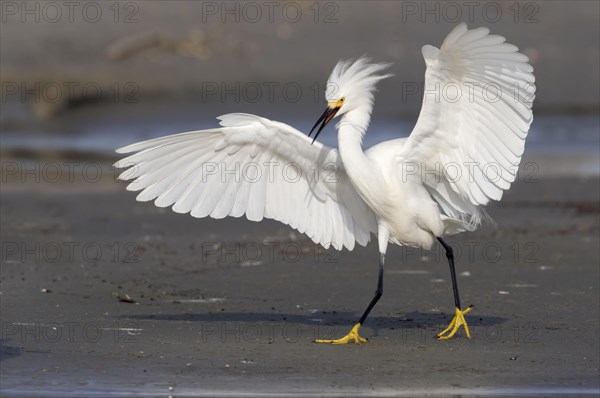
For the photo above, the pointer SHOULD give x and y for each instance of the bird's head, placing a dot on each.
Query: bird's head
(350, 87)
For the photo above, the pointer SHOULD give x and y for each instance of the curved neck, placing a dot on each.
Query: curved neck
(351, 130)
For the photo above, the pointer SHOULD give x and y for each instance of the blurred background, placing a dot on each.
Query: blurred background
(154, 289)
(88, 77)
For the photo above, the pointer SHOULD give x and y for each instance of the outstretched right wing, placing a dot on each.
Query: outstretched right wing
(252, 166)
(474, 120)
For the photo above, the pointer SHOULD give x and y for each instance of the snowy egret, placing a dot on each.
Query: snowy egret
(409, 191)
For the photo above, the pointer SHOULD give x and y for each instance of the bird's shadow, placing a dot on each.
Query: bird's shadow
(7, 352)
(418, 320)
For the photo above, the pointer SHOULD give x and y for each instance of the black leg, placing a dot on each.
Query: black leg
(450, 256)
(353, 334)
(459, 316)
(378, 292)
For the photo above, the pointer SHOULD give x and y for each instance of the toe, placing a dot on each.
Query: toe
(324, 341)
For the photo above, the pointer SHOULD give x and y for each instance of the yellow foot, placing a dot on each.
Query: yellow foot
(352, 336)
(457, 322)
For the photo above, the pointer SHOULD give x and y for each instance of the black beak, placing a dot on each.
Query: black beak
(325, 118)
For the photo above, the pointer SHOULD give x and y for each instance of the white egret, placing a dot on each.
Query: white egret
(404, 190)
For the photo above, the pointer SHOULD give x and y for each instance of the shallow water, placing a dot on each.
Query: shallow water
(571, 140)
(107, 391)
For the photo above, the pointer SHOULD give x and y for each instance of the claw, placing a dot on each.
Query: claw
(352, 336)
(457, 322)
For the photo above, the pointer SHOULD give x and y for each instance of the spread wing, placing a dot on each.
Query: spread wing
(474, 119)
(252, 166)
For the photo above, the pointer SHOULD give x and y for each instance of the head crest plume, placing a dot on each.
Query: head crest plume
(355, 80)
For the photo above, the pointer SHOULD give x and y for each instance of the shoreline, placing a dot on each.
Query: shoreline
(213, 315)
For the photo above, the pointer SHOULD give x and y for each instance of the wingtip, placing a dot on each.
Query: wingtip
(124, 149)
(430, 53)
(462, 27)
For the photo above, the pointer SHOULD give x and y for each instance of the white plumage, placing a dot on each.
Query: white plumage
(252, 166)
(463, 151)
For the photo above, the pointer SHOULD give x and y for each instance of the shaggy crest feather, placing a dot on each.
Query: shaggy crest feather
(355, 81)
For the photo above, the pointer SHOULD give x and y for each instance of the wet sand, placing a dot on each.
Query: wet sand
(230, 307)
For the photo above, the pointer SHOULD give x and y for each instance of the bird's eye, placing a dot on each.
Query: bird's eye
(342, 99)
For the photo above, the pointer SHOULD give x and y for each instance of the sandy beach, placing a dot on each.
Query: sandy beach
(103, 294)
